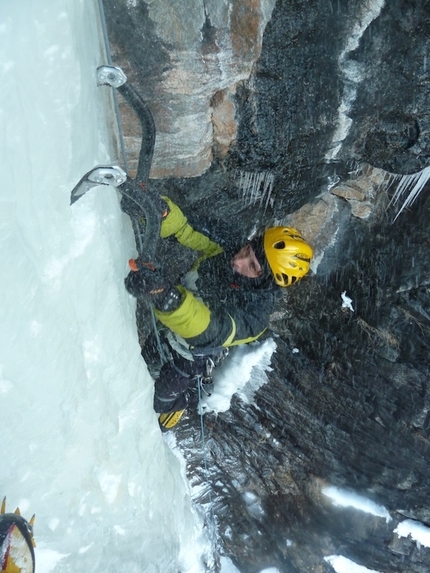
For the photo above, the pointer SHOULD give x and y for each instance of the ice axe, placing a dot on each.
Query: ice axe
(141, 201)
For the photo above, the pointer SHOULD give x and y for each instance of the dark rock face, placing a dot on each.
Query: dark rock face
(394, 126)
(313, 61)
(188, 59)
(350, 409)
(290, 106)
(337, 84)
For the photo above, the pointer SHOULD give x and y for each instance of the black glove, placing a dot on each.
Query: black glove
(145, 283)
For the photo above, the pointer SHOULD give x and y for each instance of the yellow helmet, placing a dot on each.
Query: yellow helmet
(287, 253)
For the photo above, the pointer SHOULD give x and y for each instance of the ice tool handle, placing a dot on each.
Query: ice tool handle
(154, 209)
(114, 77)
(148, 204)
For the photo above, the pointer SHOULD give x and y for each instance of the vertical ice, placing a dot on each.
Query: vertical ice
(409, 187)
(80, 444)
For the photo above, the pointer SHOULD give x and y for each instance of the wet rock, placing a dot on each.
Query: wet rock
(224, 122)
(401, 546)
(289, 127)
(349, 192)
(198, 52)
(389, 132)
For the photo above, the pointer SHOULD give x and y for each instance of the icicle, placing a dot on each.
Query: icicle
(415, 184)
(256, 186)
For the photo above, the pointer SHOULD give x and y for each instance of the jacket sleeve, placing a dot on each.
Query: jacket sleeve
(241, 321)
(176, 224)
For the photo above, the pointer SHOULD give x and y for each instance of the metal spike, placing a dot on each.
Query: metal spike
(17, 511)
(3, 505)
(31, 525)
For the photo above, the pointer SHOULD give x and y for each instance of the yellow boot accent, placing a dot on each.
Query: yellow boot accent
(169, 421)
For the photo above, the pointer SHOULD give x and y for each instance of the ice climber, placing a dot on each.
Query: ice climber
(225, 300)
(231, 288)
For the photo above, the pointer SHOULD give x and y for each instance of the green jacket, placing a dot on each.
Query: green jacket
(227, 309)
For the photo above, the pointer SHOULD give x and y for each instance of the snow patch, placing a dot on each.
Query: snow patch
(346, 301)
(343, 565)
(345, 498)
(243, 372)
(417, 531)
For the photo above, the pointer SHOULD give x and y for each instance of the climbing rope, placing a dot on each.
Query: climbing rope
(163, 357)
(211, 514)
(115, 99)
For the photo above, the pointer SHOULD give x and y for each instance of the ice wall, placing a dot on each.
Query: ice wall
(80, 444)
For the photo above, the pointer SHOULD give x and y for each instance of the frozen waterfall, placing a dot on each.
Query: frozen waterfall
(81, 446)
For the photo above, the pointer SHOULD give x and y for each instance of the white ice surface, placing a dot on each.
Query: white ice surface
(80, 444)
(227, 565)
(346, 498)
(416, 530)
(343, 565)
(346, 301)
(244, 372)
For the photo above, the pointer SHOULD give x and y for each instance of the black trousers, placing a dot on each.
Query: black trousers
(175, 379)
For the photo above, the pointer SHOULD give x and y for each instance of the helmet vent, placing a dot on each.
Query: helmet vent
(285, 280)
(287, 254)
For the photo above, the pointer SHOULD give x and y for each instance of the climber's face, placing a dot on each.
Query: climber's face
(245, 263)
